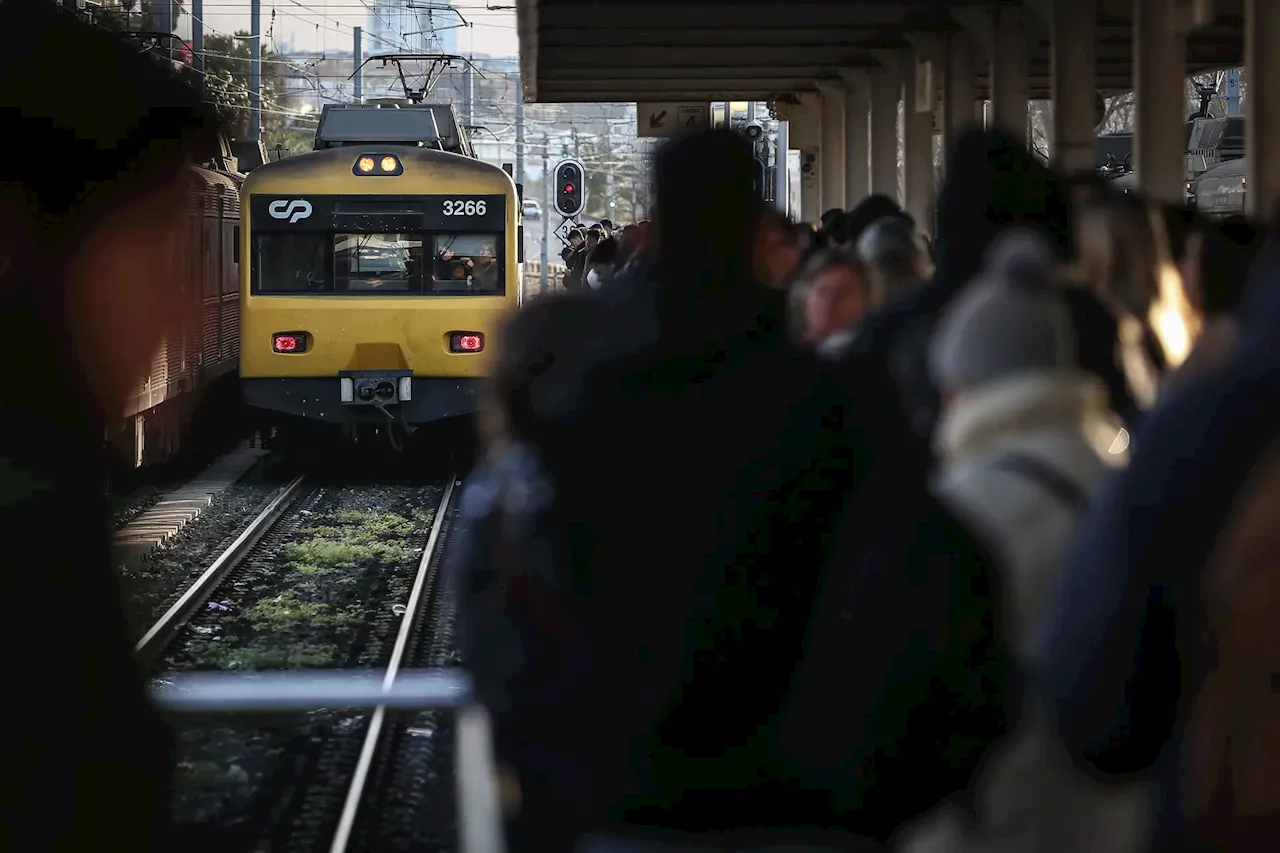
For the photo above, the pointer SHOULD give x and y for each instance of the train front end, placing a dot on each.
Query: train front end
(376, 280)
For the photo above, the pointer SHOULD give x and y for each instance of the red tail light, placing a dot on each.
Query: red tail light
(466, 342)
(289, 342)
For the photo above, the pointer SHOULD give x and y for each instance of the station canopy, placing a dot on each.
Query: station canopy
(705, 50)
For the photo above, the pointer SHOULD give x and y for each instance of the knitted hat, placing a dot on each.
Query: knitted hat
(1008, 320)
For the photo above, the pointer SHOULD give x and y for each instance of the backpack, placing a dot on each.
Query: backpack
(1231, 755)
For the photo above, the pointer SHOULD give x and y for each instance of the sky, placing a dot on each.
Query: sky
(316, 25)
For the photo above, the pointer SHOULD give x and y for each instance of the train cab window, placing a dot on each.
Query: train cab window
(466, 263)
(369, 264)
(378, 263)
(293, 263)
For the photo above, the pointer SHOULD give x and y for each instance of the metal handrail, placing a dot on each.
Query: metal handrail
(307, 690)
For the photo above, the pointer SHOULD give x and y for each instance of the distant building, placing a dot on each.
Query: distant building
(441, 26)
(428, 26)
(391, 26)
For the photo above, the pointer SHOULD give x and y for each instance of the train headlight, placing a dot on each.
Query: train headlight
(376, 164)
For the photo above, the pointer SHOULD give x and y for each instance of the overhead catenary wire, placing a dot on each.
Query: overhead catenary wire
(296, 76)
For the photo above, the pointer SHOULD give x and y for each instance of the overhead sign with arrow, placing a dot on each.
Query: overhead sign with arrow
(671, 119)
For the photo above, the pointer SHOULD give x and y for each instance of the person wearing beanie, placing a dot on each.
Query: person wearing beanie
(1025, 439)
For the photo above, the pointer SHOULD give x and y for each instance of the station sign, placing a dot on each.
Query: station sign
(671, 118)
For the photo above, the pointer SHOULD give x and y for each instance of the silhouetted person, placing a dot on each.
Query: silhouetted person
(696, 473)
(94, 237)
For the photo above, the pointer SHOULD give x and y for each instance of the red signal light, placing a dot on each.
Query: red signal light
(568, 188)
(466, 342)
(289, 342)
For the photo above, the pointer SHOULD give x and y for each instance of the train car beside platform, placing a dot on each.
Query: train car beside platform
(189, 401)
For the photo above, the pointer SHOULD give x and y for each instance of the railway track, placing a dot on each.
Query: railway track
(316, 559)
(160, 634)
(402, 795)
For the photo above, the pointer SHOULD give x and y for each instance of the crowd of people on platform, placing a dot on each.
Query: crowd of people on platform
(592, 253)
(950, 536)
(944, 537)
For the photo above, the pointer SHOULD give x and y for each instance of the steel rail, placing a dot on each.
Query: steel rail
(155, 640)
(355, 793)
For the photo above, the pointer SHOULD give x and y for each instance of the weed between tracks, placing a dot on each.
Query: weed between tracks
(326, 592)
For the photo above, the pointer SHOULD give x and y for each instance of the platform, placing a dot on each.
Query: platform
(180, 507)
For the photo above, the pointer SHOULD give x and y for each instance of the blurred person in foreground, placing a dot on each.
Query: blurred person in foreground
(992, 183)
(1026, 439)
(1124, 261)
(1216, 268)
(87, 293)
(910, 588)
(833, 228)
(837, 294)
(896, 256)
(777, 251)
(511, 558)
(696, 475)
(872, 209)
(1160, 656)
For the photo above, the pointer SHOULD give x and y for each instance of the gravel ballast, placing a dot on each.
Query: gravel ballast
(325, 588)
(162, 576)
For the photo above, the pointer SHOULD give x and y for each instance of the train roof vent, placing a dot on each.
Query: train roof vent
(369, 125)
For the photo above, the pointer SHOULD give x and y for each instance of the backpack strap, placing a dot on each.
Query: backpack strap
(1045, 476)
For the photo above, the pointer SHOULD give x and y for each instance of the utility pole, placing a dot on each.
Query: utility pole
(519, 128)
(357, 59)
(255, 70)
(468, 113)
(608, 176)
(197, 44)
(546, 209)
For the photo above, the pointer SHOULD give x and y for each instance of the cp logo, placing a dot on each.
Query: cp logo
(291, 210)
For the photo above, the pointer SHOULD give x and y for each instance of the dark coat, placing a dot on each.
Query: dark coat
(695, 491)
(84, 753)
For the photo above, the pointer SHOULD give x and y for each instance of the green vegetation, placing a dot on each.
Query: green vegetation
(313, 588)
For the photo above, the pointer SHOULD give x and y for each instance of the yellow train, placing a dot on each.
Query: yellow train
(379, 267)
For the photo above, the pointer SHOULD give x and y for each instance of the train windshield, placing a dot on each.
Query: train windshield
(382, 262)
(372, 264)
